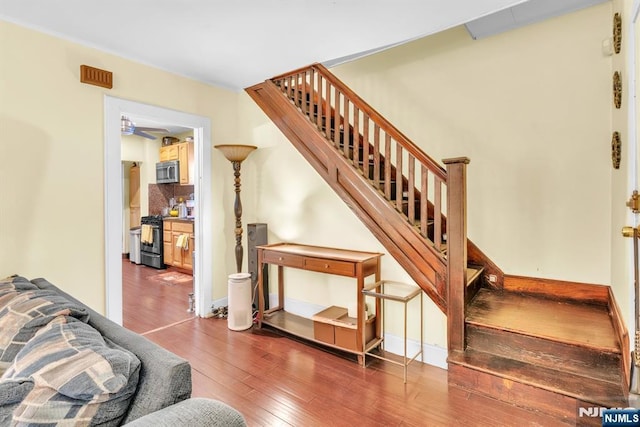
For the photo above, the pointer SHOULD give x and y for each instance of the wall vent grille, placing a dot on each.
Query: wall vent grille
(96, 76)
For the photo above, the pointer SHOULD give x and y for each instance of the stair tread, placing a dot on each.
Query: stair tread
(566, 321)
(582, 387)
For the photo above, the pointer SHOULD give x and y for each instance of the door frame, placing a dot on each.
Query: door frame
(633, 152)
(114, 108)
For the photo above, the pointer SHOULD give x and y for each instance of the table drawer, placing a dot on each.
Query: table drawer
(342, 268)
(278, 258)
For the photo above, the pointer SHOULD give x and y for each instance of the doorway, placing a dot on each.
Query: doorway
(114, 227)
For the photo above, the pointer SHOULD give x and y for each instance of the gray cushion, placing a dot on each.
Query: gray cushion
(79, 379)
(12, 391)
(194, 412)
(165, 378)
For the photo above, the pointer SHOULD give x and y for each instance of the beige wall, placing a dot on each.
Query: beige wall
(52, 154)
(530, 107)
(621, 185)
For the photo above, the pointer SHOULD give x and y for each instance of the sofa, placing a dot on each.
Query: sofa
(62, 363)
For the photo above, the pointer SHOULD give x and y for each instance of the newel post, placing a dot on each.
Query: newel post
(456, 250)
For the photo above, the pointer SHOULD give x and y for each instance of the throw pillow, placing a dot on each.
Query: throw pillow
(12, 392)
(79, 378)
(24, 313)
(12, 286)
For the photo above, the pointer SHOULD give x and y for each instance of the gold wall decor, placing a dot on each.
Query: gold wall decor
(616, 150)
(617, 32)
(617, 89)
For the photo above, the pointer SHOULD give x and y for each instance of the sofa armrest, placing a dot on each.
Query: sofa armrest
(194, 412)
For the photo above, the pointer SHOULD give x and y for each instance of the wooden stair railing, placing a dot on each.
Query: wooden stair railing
(407, 177)
(399, 173)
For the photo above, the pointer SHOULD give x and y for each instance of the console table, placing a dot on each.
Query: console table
(359, 265)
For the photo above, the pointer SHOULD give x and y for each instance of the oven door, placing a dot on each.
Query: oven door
(151, 260)
(156, 246)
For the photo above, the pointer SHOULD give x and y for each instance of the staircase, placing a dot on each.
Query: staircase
(505, 337)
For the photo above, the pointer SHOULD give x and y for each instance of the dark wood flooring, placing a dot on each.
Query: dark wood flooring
(278, 381)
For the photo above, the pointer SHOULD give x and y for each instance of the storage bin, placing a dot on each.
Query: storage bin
(333, 326)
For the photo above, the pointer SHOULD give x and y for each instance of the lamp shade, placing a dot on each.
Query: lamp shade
(235, 152)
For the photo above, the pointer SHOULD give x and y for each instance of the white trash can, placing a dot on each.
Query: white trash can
(134, 245)
(240, 316)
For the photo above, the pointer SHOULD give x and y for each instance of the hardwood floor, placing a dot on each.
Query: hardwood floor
(149, 302)
(278, 381)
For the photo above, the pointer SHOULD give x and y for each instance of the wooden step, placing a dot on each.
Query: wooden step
(532, 387)
(566, 321)
(581, 360)
(579, 336)
(540, 353)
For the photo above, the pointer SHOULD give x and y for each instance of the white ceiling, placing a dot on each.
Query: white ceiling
(238, 43)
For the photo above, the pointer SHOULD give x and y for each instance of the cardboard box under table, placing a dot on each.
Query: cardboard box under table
(333, 326)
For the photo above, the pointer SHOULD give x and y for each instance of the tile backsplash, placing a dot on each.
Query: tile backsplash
(159, 195)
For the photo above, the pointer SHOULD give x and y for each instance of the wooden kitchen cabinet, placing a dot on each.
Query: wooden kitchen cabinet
(174, 255)
(185, 162)
(166, 242)
(168, 152)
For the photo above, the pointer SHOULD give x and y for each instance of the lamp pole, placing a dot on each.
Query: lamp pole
(236, 154)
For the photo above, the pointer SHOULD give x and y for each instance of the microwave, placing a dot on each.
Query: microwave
(168, 172)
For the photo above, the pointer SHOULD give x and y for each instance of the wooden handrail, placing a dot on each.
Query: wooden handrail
(351, 126)
(384, 124)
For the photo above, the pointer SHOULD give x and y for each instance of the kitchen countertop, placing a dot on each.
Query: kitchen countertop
(175, 218)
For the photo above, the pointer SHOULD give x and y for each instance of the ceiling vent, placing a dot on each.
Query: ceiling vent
(524, 14)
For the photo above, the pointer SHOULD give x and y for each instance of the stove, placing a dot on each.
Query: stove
(151, 242)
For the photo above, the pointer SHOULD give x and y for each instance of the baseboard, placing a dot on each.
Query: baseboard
(431, 354)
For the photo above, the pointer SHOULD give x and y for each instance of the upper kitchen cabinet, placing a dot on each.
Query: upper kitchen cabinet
(183, 152)
(168, 152)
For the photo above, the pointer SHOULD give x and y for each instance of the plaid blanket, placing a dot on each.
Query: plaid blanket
(79, 378)
(24, 309)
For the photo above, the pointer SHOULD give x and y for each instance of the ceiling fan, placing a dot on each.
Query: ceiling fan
(127, 127)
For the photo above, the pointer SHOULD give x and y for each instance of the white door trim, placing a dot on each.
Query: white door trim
(113, 109)
(631, 83)
(629, 41)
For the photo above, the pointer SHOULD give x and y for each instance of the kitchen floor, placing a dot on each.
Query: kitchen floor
(154, 299)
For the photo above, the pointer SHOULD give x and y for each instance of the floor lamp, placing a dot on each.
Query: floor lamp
(236, 154)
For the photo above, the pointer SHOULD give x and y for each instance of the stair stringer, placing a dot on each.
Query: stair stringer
(414, 253)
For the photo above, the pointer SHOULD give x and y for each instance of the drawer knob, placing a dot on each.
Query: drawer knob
(280, 258)
(326, 266)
